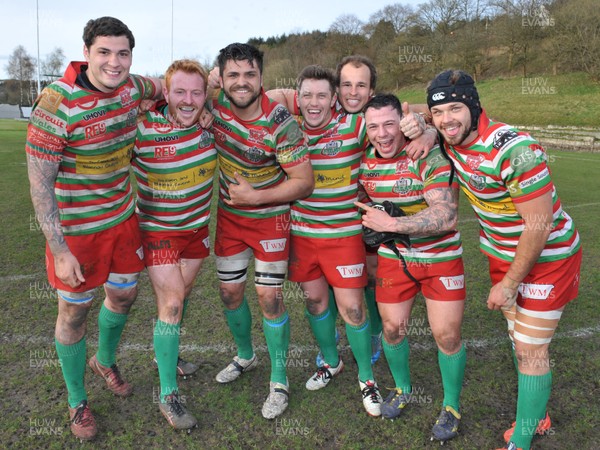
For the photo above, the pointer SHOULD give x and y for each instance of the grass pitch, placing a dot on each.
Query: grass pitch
(33, 400)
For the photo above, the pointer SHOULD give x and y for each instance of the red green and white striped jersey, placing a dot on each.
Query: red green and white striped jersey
(335, 153)
(91, 134)
(174, 169)
(504, 166)
(404, 182)
(259, 150)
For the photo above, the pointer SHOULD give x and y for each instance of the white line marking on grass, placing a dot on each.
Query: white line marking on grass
(573, 159)
(294, 349)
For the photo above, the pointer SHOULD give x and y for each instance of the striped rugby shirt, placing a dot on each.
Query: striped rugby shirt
(335, 153)
(504, 166)
(174, 169)
(91, 134)
(259, 150)
(404, 182)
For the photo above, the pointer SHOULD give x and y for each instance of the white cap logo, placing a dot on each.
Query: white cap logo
(438, 96)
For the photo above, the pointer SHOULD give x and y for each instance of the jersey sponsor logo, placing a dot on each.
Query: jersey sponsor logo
(257, 135)
(332, 132)
(327, 179)
(93, 131)
(402, 186)
(220, 137)
(543, 174)
(166, 138)
(402, 166)
(45, 140)
(351, 271)
(522, 159)
(504, 206)
(371, 174)
(438, 96)
(94, 115)
(503, 137)
(254, 175)
(477, 182)
(474, 161)
(104, 163)
(273, 245)
(332, 148)
(140, 252)
(126, 98)
(43, 116)
(536, 291)
(162, 128)
(280, 115)
(183, 179)
(50, 101)
(206, 242)
(454, 283)
(255, 154)
(370, 186)
(165, 152)
(204, 139)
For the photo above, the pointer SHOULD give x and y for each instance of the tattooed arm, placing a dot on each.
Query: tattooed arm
(42, 176)
(439, 217)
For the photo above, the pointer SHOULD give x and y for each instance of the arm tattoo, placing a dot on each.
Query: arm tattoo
(438, 218)
(42, 175)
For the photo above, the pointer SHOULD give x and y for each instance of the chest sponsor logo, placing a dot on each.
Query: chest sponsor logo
(104, 163)
(536, 291)
(501, 138)
(166, 152)
(370, 186)
(184, 179)
(94, 115)
(402, 186)
(331, 148)
(257, 135)
(166, 138)
(474, 161)
(453, 283)
(351, 271)
(273, 245)
(95, 130)
(477, 182)
(402, 166)
(126, 98)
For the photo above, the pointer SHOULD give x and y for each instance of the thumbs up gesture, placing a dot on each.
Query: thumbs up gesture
(412, 125)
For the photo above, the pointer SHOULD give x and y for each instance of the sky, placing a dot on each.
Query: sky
(200, 29)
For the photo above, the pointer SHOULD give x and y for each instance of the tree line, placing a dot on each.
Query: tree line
(488, 38)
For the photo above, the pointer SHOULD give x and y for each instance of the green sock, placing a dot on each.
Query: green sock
(397, 357)
(72, 362)
(240, 324)
(323, 328)
(277, 335)
(184, 309)
(374, 317)
(333, 305)
(110, 328)
(166, 349)
(534, 392)
(452, 368)
(359, 338)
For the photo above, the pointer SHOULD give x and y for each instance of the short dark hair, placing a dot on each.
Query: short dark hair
(240, 52)
(316, 72)
(357, 61)
(106, 26)
(382, 100)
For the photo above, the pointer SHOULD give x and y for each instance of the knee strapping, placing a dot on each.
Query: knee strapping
(122, 280)
(76, 297)
(270, 274)
(233, 269)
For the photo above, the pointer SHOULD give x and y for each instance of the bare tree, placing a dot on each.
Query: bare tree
(400, 16)
(53, 64)
(347, 24)
(21, 68)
